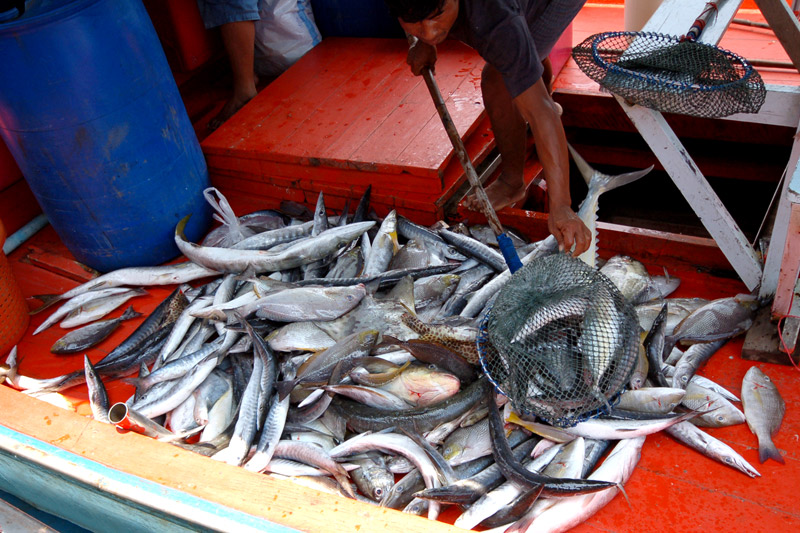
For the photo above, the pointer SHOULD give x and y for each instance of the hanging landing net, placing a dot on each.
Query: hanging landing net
(671, 74)
(560, 341)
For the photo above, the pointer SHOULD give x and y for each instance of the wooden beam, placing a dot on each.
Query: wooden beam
(783, 262)
(781, 108)
(675, 17)
(785, 25)
(698, 193)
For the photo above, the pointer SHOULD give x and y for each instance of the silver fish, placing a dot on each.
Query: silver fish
(715, 410)
(76, 302)
(651, 399)
(697, 439)
(409, 230)
(679, 308)
(630, 276)
(83, 338)
(96, 309)
(299, 253)
(372, 477)
(98, 397)
(763, 408)
(416, 253)
(719, 319)
(468, 443)
(569, 512)
(476, 249)
(135, 276)
(384, 246)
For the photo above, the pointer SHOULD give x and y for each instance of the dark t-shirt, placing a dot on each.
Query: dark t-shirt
(514, 35)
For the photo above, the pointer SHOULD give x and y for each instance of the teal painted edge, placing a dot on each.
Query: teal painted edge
(149, 486)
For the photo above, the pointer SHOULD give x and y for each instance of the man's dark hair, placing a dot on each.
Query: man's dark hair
(413, 10)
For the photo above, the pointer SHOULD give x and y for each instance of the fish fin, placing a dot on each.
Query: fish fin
(48, 300)
(372, 286)
(623, 179)
(585, 169)
(768, 450)
(625, 494)
(285, 388)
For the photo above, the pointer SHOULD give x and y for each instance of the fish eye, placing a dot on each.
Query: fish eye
(729, 460)
(378, 492)
(431, 367)
(766, 378)
(684, 379)
(721, 418)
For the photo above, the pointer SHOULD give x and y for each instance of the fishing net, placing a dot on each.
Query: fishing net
(560, 341)
(671, 74)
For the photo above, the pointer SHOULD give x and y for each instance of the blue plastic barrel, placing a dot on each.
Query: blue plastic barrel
(92, 115)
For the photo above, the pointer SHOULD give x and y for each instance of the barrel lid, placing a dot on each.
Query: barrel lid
(36, 10)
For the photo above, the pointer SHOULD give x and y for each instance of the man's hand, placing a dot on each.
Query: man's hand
(421, 55)
(568, 230)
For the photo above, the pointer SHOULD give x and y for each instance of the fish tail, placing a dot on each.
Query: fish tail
(608, 183)
(768, 450)
(130, 313)
(604, 182)
(131, 381)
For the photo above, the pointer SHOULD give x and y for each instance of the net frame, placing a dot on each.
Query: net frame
(663, 89)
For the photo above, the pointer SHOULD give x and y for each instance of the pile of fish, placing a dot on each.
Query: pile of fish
(341, 351)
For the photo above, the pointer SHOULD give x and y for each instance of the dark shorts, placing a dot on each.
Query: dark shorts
(218, 12)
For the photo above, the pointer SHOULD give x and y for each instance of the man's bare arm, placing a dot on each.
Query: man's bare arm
(539, 110)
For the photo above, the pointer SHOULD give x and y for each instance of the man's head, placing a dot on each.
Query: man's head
(428, 20)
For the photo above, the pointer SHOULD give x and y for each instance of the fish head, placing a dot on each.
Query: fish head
(737, 462)
(450, 252)
(452, 450)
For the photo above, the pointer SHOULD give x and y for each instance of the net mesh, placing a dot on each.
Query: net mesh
(560, 341)
(669, 75)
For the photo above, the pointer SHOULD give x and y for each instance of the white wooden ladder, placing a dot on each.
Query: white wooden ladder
(782, 107)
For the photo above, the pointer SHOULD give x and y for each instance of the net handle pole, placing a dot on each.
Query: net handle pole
(506, 246)
(700, 22)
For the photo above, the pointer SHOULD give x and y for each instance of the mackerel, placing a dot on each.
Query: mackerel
(98, 308)
(75, 302)
(267, 239)
(83, 338)
(410, 231)
(177, 273)
(98, 397)
(476, 249)
(300, 253)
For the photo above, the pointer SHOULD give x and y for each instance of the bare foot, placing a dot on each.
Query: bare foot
(501, 194)
(230, 108)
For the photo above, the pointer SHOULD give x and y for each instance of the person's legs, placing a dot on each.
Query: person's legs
(239, 41)
(510, 132)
